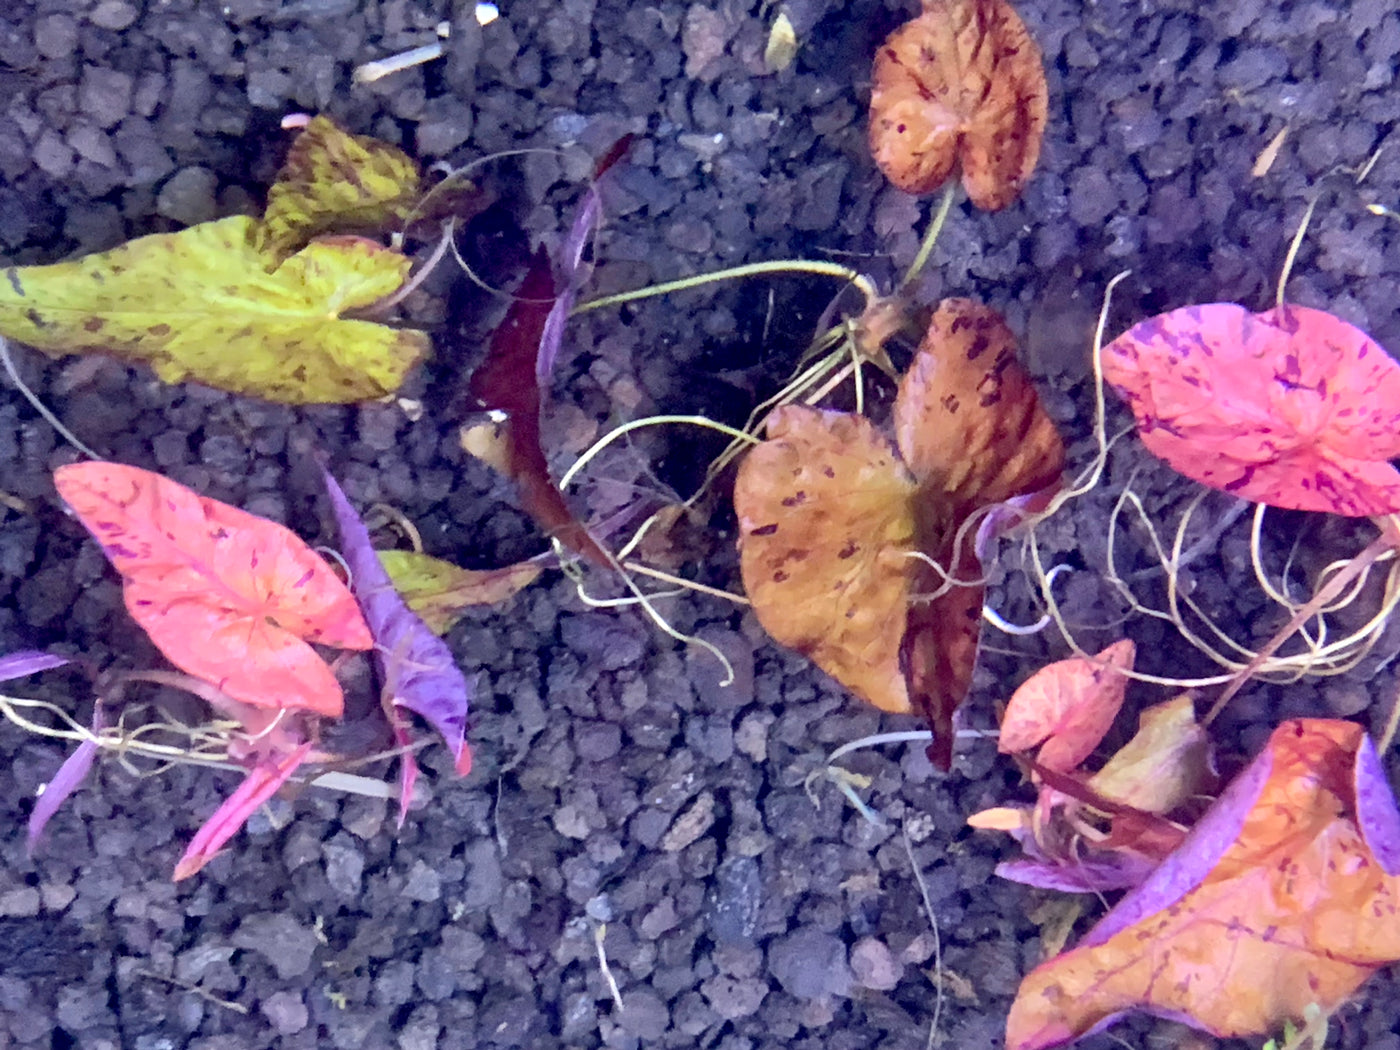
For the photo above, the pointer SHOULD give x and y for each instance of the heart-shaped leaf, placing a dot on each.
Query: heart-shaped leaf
(1066, 707)
(200, 304)
(227, 596)
(832, 521)
(1292, 407)
(962, 83)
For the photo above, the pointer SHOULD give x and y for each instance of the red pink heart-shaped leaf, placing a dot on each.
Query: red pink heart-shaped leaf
(1292, 407)
(228, 597)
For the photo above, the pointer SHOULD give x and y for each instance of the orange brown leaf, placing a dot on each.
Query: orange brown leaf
(833, 521)
(1275, 901)
(969, 425)
(963, 82)
(826, 528)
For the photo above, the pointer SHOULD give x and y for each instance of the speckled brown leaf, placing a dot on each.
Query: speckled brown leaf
(199, 304)
(969, 425)
(826, 528)
(962, 83)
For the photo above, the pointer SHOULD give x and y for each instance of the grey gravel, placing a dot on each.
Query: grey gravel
(189, 196)
(280, 939)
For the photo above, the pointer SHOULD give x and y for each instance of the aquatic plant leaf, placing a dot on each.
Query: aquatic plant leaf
(333, 181)
(826, 533)
(507, 381)
(416, 666)
(63, 783)
(1292, 407)
(439, 593)
(571, 271)
(260, 784)
(1165, 763)
(1099, 873)
(960, 84)
(1272, 903)
(227, 596)
(969, 425)
(832, 521)
(27, 662)
(199, 304)
(1066, 707)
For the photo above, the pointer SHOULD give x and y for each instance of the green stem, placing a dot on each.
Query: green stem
(945, 204)
(824, 269)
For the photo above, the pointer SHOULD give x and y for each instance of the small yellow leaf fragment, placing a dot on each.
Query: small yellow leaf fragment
(782, 44)
(439, 592)
(1000, 818)
(487, 442)
(1269, 154)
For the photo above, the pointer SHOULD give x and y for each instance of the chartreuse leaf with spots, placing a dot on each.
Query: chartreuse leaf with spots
(200, 305)
(439, 593)
(333, 181)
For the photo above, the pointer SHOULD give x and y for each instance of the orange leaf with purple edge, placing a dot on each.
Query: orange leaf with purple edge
(227, 596)
(1066, 707)
(1274, 901)
(1292, 407)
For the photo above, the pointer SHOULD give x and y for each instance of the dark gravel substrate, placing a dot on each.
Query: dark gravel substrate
(615, 782)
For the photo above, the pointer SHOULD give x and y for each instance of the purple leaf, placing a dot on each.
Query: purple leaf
(28, 661)
(1114, 871)
(1376, 813)
(70, 775)
(1193, 860)
(571, 272)
(416, 666)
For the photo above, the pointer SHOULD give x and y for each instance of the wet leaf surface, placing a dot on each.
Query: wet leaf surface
(1273, 902)
(439, 593)
(831, 518)
(1294, 408)
(333, 181)
(200, 305)
(962, 84)
(1066, 707)
(227, 596)
(508, 381)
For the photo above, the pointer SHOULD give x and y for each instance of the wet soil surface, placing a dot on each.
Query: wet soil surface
(618, 791)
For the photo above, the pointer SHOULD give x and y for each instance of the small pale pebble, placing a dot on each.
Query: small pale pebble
(874, 966)
(690, 825)
(20, 903)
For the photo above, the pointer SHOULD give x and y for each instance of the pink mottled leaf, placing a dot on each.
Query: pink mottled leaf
(1292, 407)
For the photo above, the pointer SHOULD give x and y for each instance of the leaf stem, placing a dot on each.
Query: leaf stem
(812, 266)
(935, 227)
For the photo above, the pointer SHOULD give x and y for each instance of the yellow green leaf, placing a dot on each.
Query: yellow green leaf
(200, 305)
(333, 181)
(439, 592)
(1164, 764)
